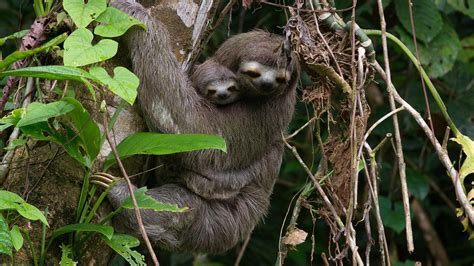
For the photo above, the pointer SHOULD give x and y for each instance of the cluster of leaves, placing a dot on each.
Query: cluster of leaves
(69, 124)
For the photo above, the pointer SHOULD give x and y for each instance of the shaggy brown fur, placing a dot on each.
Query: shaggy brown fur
(227, 193)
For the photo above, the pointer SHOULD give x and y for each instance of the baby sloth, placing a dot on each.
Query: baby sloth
(216, 83)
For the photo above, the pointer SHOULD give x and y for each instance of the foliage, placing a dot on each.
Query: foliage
(12, 238)
(162, 144)
(443, 30)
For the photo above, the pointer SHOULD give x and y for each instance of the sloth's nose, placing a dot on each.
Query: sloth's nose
(266, 86)
(222, 96)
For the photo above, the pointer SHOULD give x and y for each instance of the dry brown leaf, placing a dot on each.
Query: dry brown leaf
(294, 237)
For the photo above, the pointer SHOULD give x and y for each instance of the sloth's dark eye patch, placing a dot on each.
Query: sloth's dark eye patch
(211, 92)
(233, 88)
(252, 74)
(281, 80)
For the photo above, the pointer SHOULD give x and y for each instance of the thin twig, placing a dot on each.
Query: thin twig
(242, 250)
(301, 128)
(398, 139)
(417, 54)
(373, 189)
(378, 122)
(132, 194)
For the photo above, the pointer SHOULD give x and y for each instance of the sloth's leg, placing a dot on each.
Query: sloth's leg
(210, 226)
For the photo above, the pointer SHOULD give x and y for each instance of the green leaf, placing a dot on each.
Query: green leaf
(76, 131)
(161, 144)
(147, 202)
(79, 51)
(66, 254)
(105, 230)
(5, 238)
(32, 213)
(85, 128)
(123, 244)
(16, 35)
(439, 55)
(17, 55)
(21, 141)
(124, 83)
(51, 72)
(427, 19)
(467, 166)
(464, 6)
(11, 201)
(392, 214)
(39, 112)
(467, 51)
(17, 238)
(54, 73)
(11, 119)
(418, 184)
(115, 23)
(83, 14)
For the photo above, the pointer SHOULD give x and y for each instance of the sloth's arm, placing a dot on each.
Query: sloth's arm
(222, 184)
(168, 101)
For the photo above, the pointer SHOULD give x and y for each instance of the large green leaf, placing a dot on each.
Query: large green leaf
(50, 72)
(464, 6)
(11, 201)
(39, 112)
(60, 133)
(124, 83)
(16, 35)
(146, 202)
(6, 244)
(418, 184)
(123, 244)
(30, 212)
(79, 51)
(75, 129)
(392, 214)
(439, 55)
(427, 19)
(161, 144)
(467, 52)
(85, 128)
(115, 23)
(17, 55)
(17, 238)
(82, 14)
(105, 230)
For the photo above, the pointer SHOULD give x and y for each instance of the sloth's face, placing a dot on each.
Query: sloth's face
(222, 92)
(262, 80)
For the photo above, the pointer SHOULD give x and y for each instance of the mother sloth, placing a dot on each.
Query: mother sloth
(227, 193)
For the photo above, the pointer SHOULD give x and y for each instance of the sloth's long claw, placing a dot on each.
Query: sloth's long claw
(103, 179)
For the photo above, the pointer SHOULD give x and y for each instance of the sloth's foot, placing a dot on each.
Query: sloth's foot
(104, 180)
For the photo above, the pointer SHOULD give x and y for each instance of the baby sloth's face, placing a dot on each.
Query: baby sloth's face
(222, 91)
